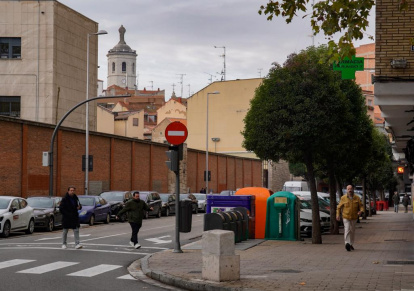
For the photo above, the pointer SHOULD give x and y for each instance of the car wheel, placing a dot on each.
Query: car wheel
(50, 224)
(146, 214)
(195, 209)
(6, 230)
(123, 217)
(30, 227)
(92, 220)
(167, 212)
(108, 218)
(204, 209)
(159, 213)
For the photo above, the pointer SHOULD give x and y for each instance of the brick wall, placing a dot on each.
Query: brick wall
(119, 163)
(394, 37)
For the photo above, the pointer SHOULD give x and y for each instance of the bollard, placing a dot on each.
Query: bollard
(220, 263)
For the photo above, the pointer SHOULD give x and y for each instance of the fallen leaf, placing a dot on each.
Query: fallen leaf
(376, 262)
(302, 283)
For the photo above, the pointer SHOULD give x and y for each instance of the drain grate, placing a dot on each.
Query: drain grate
(194, 272)
(286, 271)
(400, 262)
(404, 240)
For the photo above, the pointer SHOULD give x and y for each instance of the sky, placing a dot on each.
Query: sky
(175, 39)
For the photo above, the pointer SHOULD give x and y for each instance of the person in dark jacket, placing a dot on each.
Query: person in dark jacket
(69, 207)
(405, 202)
(396, 200)
(135, 212)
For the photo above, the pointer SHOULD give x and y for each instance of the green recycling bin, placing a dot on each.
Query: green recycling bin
(282, 217)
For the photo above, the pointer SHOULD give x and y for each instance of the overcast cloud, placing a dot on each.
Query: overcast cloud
(173, 37)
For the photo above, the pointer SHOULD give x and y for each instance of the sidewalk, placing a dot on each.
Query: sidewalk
(383, 260)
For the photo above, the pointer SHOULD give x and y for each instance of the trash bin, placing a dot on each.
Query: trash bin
(236, 221)
(244, 219)
(282, 219)
(186, 215)
(217, 203)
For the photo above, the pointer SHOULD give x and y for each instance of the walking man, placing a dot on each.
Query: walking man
(69, 207)
(396, 200)
(135, 211)
(351, 208)
(405, 202)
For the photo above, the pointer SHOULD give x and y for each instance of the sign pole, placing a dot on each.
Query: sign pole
(177, 247)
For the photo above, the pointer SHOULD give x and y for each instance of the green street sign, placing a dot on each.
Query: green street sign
(349, 67)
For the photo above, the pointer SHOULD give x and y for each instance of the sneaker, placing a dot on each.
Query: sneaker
(137, 246)
(132, 244)
(348, 247)
(78, 246)
(64, 247)
(352, 248)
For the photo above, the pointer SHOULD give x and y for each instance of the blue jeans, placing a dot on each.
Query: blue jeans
(75, 232)
(396, 208)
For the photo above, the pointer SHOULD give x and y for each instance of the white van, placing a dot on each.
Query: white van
(291, 186)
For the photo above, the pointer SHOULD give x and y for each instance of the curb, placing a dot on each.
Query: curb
(180, 282)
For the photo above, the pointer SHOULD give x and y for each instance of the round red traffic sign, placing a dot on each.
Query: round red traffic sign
(176, 133)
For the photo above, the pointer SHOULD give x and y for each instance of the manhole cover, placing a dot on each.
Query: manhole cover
(286, 271)
(400, 262)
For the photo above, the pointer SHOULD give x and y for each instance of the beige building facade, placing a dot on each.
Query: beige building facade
(172, 109)
(43, 60)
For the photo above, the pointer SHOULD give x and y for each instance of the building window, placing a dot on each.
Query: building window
(113, 67)
(135, 121)
(369, 102)
(10, 106)
(10, 48)
(123, 67)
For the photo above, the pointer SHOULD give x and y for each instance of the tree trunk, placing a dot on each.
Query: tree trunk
(364, 200)
(316, 223)
(334, 229)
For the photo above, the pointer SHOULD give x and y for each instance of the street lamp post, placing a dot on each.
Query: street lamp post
(206, 174)
(87, 112)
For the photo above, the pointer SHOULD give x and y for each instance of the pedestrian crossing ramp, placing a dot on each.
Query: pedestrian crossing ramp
(61, 265)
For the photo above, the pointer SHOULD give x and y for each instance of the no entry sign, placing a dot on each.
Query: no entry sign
(176, 133)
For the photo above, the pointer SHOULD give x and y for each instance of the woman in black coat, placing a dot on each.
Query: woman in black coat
(69, 207)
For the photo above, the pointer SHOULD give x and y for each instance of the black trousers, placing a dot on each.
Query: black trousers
(135, 229)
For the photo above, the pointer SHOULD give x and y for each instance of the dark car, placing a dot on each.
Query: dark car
(46, 211)
(153, 200)
(94, 208)
(117, 201)
(193, 199)
(168, 204)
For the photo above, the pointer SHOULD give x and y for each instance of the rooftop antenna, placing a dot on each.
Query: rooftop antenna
(173, 85)
(181, 82)
(189, 90)
(211, 77)
(152, 85)
(223, 72)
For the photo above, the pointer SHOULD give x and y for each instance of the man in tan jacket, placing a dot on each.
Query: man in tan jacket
(351, 208)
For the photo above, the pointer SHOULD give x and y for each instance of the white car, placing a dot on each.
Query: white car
(202, 201)
(306, 217)
(15, 215)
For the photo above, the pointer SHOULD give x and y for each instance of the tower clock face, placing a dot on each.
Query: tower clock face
(123, 81)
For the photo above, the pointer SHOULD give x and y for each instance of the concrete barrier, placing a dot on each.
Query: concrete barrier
(220, 263)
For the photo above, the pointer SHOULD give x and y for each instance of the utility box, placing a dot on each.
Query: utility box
(282, 217)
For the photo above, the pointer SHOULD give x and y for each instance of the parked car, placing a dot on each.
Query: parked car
(227, 193)
(202, 201)
(46, 212)
(306, 217)
(193, 199)
(369, 203)
(153, 200)
(323, 205)
(94, 209)
(116, 200)
(15, 215)
(168, 204)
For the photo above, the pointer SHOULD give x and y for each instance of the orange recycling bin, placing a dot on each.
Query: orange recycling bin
(261, 195)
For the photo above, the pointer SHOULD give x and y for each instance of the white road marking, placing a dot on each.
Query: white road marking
(158, 240)
(12, 263)
(127, 277)
(48, 267)
(60, 237)
(105, 236)
(132, 252)
(72, 244)
(90, 272)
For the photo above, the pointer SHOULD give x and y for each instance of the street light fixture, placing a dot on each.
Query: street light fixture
(206, 174)
(100, 32)
(215, 140)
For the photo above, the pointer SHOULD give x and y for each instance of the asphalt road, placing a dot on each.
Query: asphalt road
(37, 262)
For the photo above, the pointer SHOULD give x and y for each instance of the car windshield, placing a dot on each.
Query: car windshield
(200, 196)
(164, 198)
(143, 196)
(40, 202)
(113, 196)
(183, 196)
(86, 201)
(305, 204)
(4, 203)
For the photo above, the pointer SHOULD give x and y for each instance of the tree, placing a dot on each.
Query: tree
(293, 113)
(347, 18)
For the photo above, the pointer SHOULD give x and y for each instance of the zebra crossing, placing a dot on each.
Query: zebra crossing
(60, 265)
